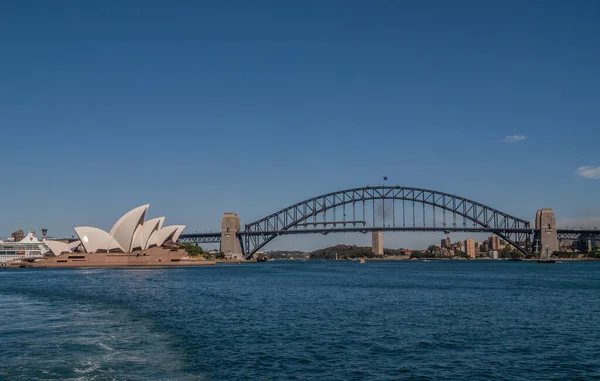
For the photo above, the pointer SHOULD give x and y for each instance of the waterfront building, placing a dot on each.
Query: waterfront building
(470, 248)
(494, 243)
(445, 243)
(130, 233)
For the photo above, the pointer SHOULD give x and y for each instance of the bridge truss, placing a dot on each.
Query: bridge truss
(386, 208)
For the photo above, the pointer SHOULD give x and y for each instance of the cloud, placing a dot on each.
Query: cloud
(514, 138)
(589, 172)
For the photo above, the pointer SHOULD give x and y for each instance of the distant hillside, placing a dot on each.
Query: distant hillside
(283, 254)
(350, 251)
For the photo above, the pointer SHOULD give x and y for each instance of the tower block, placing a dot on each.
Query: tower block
(230, 241)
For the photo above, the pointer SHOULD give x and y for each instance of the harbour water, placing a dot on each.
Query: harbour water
(319, 320)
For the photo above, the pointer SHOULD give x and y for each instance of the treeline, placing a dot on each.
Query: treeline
(197, 252)
(343, 252)
(283, 254)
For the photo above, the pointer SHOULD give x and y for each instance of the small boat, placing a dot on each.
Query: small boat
(362, 260)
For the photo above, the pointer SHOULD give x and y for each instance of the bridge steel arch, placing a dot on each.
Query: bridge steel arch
(296, 218)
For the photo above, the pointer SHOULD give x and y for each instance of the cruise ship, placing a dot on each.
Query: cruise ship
(28, 248)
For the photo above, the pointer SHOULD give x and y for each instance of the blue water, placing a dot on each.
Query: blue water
(450, 320)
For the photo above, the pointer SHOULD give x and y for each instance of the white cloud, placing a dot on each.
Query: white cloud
(514, 138)
(589, 172)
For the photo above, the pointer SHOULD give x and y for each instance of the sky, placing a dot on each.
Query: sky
(204, 107)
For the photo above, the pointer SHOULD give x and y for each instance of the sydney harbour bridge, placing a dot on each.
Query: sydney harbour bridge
(388, 209)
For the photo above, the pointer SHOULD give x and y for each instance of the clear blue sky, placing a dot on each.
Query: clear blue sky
(199, 107)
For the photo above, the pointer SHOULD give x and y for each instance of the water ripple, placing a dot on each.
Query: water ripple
(303, 321)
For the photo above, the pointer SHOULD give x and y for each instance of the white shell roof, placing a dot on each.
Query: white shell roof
(128, 233)
(124, 229)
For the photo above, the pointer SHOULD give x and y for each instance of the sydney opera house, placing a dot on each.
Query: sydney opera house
(132, 241)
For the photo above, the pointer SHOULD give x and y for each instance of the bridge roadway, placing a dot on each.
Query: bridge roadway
(215, 237)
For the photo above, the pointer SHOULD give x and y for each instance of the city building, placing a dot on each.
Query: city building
(494, 243)
(470, 248)
(445, 243)
(18, 235)
(377, 243)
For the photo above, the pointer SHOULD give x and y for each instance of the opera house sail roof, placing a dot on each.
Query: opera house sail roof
(128, 234)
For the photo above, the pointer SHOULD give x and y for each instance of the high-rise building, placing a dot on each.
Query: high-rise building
(470, 248)
(445, 243)
(494, 243)
(18, 235)
(377, 243)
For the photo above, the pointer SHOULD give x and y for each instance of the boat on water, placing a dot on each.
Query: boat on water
(362, 260)
(29, 248)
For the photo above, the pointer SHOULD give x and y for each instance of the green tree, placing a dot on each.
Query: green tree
(460, 254)
(505, 252)
(193, 250)
(416, 254)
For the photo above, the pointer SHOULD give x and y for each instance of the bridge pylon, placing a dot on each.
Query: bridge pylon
(546, 236)
(231, 244)
(377, 242)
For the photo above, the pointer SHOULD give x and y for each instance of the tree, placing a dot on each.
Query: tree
(460, 254)
(416, 254)
(506, 251)
(193, 250)
(343, 252)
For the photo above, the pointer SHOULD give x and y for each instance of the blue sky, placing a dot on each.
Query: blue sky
(200, 108)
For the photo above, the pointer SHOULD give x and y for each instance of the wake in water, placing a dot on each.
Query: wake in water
(70, 340)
